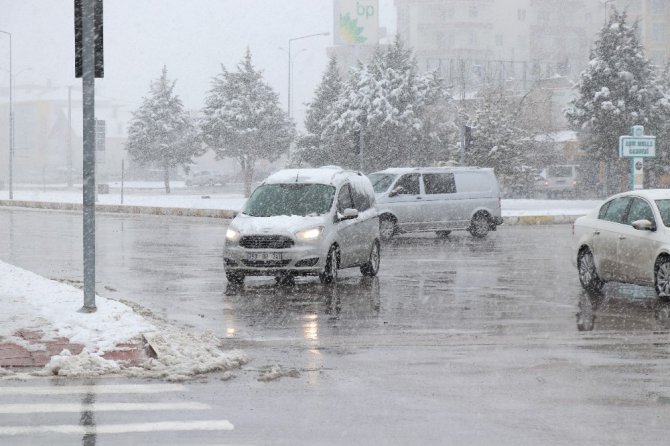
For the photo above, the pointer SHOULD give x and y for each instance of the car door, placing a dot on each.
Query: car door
(606, 238)
(441, 208)
(636, 248)
(367, 226)
(346, 229)
(407, 204)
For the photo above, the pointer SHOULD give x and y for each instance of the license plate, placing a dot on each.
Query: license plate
(264, 256)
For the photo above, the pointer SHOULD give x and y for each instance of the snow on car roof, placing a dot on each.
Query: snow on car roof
(325, 175)
(651, 194)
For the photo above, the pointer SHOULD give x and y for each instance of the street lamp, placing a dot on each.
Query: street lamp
(11, 120)
(290, 114)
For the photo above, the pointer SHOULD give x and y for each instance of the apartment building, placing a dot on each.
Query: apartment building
(653, 18)
(475, 42)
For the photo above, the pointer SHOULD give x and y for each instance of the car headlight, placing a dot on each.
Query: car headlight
(309, 234)
(232, 235)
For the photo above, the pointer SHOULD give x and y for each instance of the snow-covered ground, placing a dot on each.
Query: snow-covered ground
(150, 194)
(37, 304)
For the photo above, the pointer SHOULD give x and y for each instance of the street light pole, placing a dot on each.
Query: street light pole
(290, 78)
(11, 120)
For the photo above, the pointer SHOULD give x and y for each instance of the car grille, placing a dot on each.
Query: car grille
(266, 242)
(266, 263)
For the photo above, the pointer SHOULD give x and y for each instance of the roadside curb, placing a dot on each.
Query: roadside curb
(540, 219)
(123, 209)
(229, 213)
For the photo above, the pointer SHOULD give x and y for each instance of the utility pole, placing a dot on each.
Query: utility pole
(88, 66)
(69, 136)
(11, 120)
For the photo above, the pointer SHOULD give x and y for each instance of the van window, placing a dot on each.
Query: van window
(344, 200)
(410, 184)
(559, 171)
(439, 183)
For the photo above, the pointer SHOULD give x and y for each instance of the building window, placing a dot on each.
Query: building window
(473, 38)
(521, 14)
(658, 7)
(499, 40)
(474, 12)
(658, 29)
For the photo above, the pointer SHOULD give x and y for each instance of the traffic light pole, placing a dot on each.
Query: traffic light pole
(88, 97)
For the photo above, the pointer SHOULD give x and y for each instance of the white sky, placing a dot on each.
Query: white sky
(191, 37)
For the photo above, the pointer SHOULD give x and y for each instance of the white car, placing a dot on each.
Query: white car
(305, 222)
(626, 239)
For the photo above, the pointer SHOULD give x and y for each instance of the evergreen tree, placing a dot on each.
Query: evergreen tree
(497, 140)
(383, 113)
(161, 133)
(617, 90)
(313, 148)
(242, 119)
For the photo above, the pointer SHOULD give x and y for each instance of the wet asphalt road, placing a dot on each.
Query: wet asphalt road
(458, 341)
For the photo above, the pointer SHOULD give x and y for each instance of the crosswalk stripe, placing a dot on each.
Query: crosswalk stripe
(97, 407)
(109, 389)
(162, 426)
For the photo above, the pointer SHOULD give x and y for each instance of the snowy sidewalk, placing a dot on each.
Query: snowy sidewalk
(42, 328)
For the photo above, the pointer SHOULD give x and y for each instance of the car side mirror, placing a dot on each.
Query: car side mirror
(644, 225)
(348, 214)
(397, 191)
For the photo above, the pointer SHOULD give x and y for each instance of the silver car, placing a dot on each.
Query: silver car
(626, 239)
(439, 199)
(305, 222)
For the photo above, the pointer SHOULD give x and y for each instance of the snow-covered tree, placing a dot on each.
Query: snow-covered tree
(498, 141)
(617, 90)
(161, 133)
(242, 119)
(313, 148)
(387, 110)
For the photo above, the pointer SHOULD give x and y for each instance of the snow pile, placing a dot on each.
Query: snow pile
(84, 364)
(181, 355)
(275, 372)
(50, 308)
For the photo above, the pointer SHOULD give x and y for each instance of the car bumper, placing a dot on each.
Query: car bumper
(298, 260)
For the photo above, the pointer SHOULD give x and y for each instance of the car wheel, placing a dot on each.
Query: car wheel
(235, 278)
(588, 276)
(371, 268)
(443, 234)
(387, 228)
(480, 226)
(662, 278)
(329, 274)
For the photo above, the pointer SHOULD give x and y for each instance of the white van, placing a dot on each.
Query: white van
(305, 222)
(440, 199)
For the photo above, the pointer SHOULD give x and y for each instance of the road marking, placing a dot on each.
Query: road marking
(111, 389)
(163, 426)
(97, 407)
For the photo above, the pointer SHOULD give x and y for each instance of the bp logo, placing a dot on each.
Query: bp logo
(350, 31)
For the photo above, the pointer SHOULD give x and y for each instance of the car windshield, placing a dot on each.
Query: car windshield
(559, 171)
(381, 181)
(664, 209)
(270, 200)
